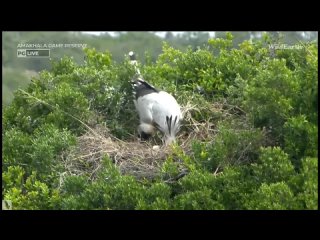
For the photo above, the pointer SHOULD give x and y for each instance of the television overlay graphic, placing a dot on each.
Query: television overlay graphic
(38, 50)
(33, 53)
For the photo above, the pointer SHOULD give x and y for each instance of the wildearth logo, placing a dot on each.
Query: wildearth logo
(24, 53)
(6, 205)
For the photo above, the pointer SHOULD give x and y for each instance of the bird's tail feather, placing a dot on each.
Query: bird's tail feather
(173, 125)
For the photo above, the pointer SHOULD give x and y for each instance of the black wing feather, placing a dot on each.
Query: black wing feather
(142, 88)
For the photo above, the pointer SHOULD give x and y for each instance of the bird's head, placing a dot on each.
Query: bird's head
(169, 140)
(146, 128)
(132, 55)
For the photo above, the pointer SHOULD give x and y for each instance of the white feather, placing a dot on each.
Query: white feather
(155, 107)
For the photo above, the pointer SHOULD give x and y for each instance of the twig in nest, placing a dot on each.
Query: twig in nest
(243, 152)
(133, 158)
(172, 180)
(217, 169)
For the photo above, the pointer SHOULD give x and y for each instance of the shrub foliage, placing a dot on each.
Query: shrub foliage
(259, 103)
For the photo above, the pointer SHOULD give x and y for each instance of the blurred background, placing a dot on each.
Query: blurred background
(17, 72)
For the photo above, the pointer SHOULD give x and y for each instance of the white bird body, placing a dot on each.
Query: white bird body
(157, 109)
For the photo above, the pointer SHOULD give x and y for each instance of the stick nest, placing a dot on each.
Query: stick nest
(137, 158)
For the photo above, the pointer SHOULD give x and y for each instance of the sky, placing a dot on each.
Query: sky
(160, 34)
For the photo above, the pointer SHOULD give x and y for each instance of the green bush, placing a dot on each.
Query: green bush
(274, 166)
(28, 193)
(39, 153)
(301, 139)
(276, 196)
(234, 144)
(309, 188)
(269, 96)
(261, 153)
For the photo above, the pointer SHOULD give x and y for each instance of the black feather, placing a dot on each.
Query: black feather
(142, 88)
